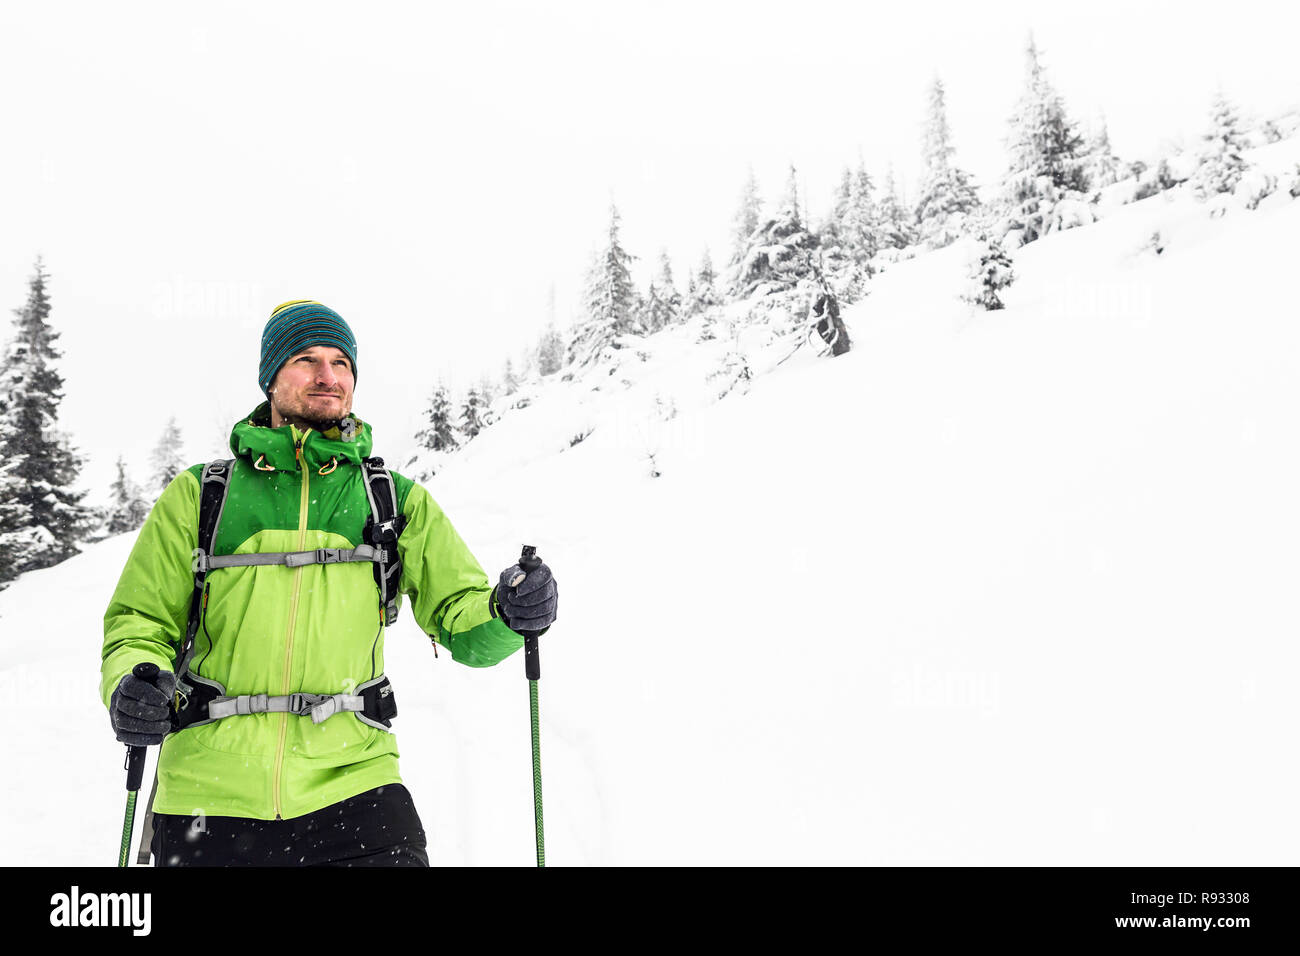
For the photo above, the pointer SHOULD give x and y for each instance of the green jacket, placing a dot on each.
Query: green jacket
(280, 630)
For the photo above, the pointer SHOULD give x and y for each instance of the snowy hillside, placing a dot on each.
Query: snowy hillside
(993, 588)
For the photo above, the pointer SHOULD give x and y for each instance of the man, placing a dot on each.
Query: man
(275, 713)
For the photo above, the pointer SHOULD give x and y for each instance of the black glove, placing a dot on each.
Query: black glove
(141, 711)
(531, 605)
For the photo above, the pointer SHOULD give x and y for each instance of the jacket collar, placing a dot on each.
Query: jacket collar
(253, 438)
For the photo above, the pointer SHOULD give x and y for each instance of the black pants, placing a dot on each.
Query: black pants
(377, 828)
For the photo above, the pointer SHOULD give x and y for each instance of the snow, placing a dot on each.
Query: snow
(1006, 588)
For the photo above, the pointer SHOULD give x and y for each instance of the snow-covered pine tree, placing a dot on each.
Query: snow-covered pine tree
(743, 225)
(831, 231)
(859, 227)
(990, 273)
(1103, 168)
(438, 433)
(1044, 185)
(779, 249)
(41, 518)
(550, 351)
(667, 286)
(610, 299)
(704, 298)
(844, 272)
(1222, 164)
(509, 380)
(165, 462)
(948, 200)
(894, 226)
(706, 282)
(655, 311)
(471, 415)
(703, 292)
(127, 507)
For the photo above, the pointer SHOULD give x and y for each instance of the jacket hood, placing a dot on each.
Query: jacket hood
(253, 438)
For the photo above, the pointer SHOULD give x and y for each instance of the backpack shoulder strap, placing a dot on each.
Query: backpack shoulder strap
(213, 488)
(382, 531)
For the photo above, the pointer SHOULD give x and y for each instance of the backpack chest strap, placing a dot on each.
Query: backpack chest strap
(203, 562)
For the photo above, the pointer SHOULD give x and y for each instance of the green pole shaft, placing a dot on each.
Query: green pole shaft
(529, 561)
(127, 826)
(537, 774)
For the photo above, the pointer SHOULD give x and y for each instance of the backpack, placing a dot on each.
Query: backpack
(200, 700)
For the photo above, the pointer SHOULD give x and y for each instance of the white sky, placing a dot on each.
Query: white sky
(430, 170)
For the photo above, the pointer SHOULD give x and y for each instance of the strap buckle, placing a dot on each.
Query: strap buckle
(199, 561)
(386, 532)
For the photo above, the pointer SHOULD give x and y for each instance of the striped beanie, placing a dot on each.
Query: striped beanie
(294, 326)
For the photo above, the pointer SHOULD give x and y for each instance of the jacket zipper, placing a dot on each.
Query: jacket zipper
(293, 614)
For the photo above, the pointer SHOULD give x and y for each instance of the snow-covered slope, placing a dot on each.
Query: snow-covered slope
(994, 588)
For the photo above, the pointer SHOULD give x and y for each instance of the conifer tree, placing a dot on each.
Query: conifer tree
(166, 461)
(1103, 166)
(127, 507)
(707, 277)
(840, 264)
(859, 228)
(438, 433)
(703, 294)
(610, 299)
(1222, 164)
(743, 225)
(894, 226)
(18, 534)
(947, 198)
(42, 519)
(779, 250)
(990, 273)
(1047, 156)
(667, 287)
(550, 352)
(471, 420)
(509, 380)
(656, 313)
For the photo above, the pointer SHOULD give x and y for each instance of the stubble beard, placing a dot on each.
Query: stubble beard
(301, 418)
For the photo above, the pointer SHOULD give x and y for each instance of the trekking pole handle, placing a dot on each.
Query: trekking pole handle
(135, 755)
(529, 561)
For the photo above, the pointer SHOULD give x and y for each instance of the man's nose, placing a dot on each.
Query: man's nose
(325, 375)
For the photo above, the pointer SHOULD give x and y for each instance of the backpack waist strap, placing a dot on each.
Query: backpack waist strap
(201, 701)
(318, 706)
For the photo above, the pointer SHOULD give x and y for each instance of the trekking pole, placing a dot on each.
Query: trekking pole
(134, 772)
(529, 561)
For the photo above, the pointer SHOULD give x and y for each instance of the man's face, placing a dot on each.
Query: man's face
(313, 389)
